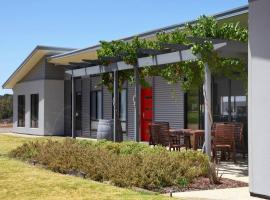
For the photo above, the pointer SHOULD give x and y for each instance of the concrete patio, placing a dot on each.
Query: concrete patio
(238, 171)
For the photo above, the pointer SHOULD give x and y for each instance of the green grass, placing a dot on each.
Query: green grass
(20, 181)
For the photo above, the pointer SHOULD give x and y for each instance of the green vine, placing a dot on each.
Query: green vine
(189, 73)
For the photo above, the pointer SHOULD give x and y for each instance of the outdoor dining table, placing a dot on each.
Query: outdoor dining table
(188, 134)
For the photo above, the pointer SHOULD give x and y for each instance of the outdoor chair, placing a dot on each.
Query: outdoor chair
(224, 140)
(165, 138)
(239, 138)
(240, 146)
(154, 131)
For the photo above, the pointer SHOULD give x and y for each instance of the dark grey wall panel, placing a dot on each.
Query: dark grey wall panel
(37, 73)
(78, 85)
(130, 114)
(107, 103)
(54, 72)
(86, 106)
(168, 103)
(45, 70)
(67, 105)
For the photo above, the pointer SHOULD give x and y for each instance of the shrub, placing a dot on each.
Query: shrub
(124, 164)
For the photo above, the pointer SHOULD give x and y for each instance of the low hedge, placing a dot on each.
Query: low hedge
(127, 164)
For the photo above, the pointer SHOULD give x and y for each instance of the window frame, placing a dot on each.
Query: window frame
(126, 108)
(96, 118)
(21, 108)
(34, 98)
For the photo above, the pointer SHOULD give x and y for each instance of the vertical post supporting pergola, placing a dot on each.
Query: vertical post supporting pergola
(73, 134)
(207, 109)
(136, 105)
(115, 105)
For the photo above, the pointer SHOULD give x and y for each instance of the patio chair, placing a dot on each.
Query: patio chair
(154, 131)
(224, 140)
(173, 141)
(240, 146)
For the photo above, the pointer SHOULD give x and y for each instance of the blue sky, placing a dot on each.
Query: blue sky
(82, 23)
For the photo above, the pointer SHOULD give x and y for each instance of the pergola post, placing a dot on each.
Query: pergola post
(73, 134)
(136, 105)
(207, 109)
(115, 106)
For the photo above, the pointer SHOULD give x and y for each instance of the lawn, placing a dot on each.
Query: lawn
(19, 180)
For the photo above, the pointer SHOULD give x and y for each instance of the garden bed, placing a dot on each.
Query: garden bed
(127, 164)
(204, 183)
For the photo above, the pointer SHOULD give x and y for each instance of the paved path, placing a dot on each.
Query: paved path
(219, 194)
(17, 134)
(5, 130)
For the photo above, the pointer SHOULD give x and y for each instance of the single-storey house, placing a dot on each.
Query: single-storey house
(43, 103)
(50, 98)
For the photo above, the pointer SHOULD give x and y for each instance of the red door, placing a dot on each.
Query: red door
(146, 112)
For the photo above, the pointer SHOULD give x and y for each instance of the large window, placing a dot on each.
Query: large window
(21, 111)
(193, 109)
(34, 110)
(123, 105)
(122, 108)
(95, 108)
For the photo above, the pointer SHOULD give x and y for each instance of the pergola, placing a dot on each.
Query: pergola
(170, 53)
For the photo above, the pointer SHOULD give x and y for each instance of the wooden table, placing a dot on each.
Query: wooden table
(198, 137)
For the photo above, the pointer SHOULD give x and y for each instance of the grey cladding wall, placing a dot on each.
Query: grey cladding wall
(169, 103)
(67, 110)
(45, 70)
(37, 73)
(86, 106)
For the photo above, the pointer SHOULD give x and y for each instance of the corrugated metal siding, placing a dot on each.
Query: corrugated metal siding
(67, 110)
(107, 104)
(168, 103)
(86, 106)
(54, 72)
(130, 114)
(78, 85)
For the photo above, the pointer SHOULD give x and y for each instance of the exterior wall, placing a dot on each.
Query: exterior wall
(67, 102)
(168, 103)
(48, 82)
(54, 73)
(37, 73)
(130, 112)
(86, 106)
(45, 70)
(28, 88)
(259, 97)
(54, 107)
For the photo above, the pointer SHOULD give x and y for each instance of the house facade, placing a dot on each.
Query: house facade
(38, 90)
(42, 88)
(51, 99)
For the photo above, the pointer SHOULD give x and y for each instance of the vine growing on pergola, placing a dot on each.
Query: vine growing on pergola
(189, 73)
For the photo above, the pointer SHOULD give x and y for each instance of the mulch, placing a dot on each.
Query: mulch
(203, 183)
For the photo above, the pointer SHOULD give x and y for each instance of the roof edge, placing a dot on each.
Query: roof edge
(218, 16)
(36, 49)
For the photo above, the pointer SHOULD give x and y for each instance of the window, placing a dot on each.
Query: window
(122, 108)
(95, 108)
(34, 110)
(123, 105)
(21, 111)
(193, 109)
